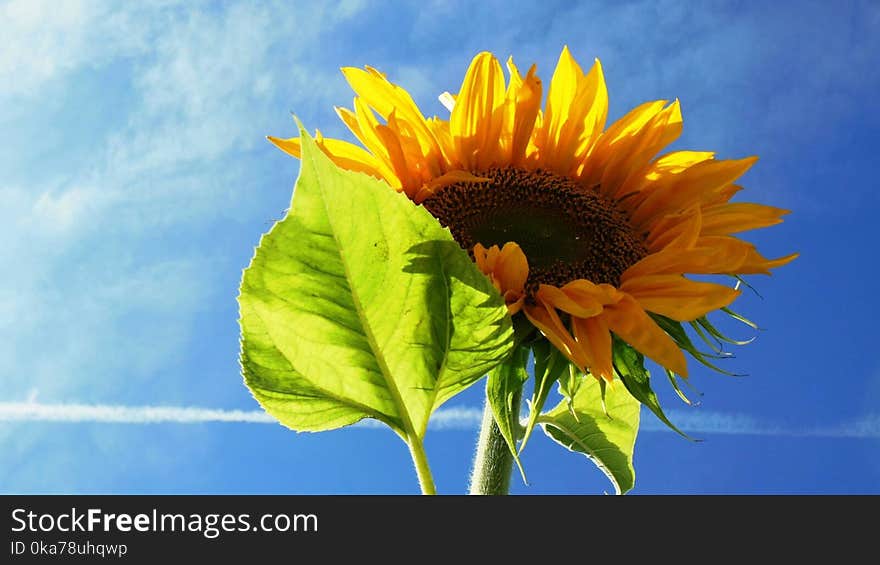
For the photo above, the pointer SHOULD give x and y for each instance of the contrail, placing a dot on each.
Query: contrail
(713, 423)
(446, 419)
(39, 412)
(453, 418)
(866, 427)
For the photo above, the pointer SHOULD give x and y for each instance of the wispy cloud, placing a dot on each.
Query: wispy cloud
(454, 418)
(122, 242)
(45, 40)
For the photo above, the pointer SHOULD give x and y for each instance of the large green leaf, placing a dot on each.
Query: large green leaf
(359, 304)
(608, 440)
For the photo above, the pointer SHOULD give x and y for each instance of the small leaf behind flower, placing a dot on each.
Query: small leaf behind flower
(608, 440)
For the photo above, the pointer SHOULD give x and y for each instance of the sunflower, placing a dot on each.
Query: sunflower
(583, 229)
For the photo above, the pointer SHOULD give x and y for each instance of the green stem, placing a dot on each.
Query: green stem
(420, 460)
(493, 463)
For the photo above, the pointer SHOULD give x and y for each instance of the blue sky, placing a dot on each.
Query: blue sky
(135, 180)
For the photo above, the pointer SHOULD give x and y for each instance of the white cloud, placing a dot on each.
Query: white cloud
(59, 214)
(113, 252)
(456, 418)
(44, 40)
(38, 226)
(78, 329)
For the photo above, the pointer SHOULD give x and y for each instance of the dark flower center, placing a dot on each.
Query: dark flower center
(566, 231)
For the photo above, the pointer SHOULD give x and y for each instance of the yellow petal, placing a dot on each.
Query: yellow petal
(440, 129)
(351, 157)
(678, 231)
(292, 146)
(508, 270)
(512, 269)
(632, 158)
(678, 161)
(397, 159)
(677, 297)
(545, 318)
(594, 337)
(751, 262)
(658, 175)
(717, 256)
(582, 306)
(584, 291)
(486, 258)
(629, 321)
(689, 187)
(386, 97)
(605, 147)
(596, 98)
(368, 125)
(522, 107)
(724, 219)
(478, 115)
(363, 124)
(577, 105)
(560, 96)
(350, 120)
(421, 163)
(757, 264)
(721, 196)
(563, 118)
(344, 154)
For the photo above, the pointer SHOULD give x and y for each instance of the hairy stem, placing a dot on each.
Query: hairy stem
(493, 463)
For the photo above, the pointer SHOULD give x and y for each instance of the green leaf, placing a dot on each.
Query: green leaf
(629, 365)
(504, 392)
(359, 304)
(549, 366)
(608, 440)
